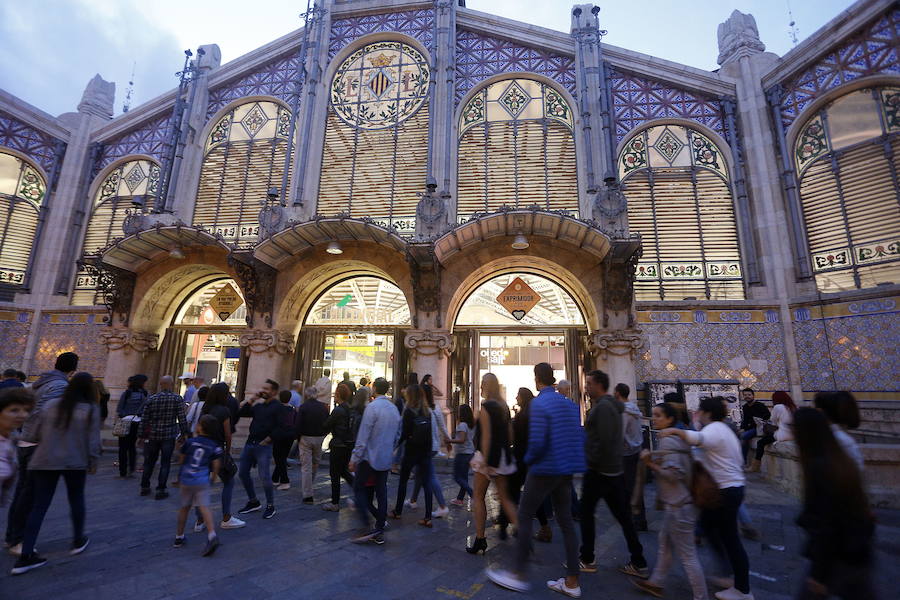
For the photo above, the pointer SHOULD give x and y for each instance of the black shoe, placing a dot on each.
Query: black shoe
(211, 546)
(79, 545)
(309, 500)
(161, 494)
(179, 542)
(378, 538)
(27, 563)
(145, 491)
(251, 506)
(502, 534)
(480, 545)
(269, 512)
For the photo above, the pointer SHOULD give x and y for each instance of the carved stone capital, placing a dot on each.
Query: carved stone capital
(738, 37)
(119, 338)
(267, 340)
(427, 342)
(620, 342)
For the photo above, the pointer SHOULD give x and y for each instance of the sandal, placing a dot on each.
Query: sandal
(425, 522)
(394, 514)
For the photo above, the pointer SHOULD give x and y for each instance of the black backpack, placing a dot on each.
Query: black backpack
(353, 422)
(420, 438)
(287, 424)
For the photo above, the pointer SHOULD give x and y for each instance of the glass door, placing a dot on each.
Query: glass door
(512, 356)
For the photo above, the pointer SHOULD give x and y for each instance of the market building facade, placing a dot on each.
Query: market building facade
(417, 186)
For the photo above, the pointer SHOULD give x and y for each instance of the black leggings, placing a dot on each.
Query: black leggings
(280, 451)
(337, 468)
(761, 444)
(721, 527)
(128, 450)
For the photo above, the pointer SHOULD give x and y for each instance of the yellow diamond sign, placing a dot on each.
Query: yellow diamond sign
(518, 298)
(226, 301)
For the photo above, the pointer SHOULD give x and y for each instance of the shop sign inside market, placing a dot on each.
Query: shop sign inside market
(518, 298)
(226, 301)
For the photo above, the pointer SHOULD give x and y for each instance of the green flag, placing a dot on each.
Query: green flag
(345, 300)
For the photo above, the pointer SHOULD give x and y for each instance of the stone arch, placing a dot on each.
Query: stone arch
(211, 122)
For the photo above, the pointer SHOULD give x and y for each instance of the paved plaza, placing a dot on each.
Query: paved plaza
(304, 552)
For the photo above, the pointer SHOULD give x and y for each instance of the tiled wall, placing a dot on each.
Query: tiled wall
(76, 332)
(14, 328)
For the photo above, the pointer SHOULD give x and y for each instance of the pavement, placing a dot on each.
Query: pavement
(305, 552)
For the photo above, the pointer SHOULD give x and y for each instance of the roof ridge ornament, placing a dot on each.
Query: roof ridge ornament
(738, 37)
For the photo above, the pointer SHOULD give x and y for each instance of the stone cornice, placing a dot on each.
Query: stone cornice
(522, 33)
(255, 58)
(620, 342)
(33, 116)
(668, 71)
(427, 342)
(825, 38)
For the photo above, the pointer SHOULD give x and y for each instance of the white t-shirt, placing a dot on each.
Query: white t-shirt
(7, 458)
(721, 453)
(323, 385)
(783, 418)
(849, 445)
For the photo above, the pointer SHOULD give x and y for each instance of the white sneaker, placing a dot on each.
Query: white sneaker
(508, 580)
(722, 582)
(232, 523)
(284, 486)
(733, 594)
(199, 526)
(16, 550)
(440, 512)
(411, 504)
(559, 585)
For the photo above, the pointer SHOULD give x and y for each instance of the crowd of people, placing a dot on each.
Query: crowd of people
(534, 456)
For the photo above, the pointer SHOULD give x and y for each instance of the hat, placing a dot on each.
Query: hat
(187, 375)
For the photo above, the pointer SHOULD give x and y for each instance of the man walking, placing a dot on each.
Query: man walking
(555, 453)
(605, 477)
(349, 383)
(311, 418)
(163, 419)
(266, 411)
(371, 460)
(633, 436)
(323, 388)
(49, 386)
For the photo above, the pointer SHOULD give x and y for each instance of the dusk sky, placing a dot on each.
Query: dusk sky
(51, 48)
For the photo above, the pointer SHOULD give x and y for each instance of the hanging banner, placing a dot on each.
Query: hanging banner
(518, 298)
(226, 301)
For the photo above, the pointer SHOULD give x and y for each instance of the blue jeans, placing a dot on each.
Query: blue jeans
(154, 449)
(435, 484)
(424, 471)
(746, 438)
(227, 491)
(259, 456)
(461, 475)
(365, 472)
(22, 500)
(44, 488)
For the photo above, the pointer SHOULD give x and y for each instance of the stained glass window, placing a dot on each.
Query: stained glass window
(376, 137)
(22, 193)
(847, 157)
(679, 199)
(130, 184)
(245, 156)
(516, 148)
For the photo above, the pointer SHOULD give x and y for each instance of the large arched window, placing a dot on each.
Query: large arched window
(516, 148)
(245, 155)
(22, 193)
(847, 157)
(679, 200)
(376, 136)
(131, 185)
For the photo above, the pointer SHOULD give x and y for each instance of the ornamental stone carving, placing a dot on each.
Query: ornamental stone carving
(98, 98)
(257, 280)
(425, 273)
(427, 342)
(738, 37)
(267, 340)
(621, 342)
(119, 338)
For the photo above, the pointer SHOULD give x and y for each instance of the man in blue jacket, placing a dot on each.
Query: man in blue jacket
(555, 454)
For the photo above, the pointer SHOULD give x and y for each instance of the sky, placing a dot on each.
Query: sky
(49, 49)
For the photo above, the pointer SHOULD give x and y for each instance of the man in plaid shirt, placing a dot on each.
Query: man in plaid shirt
(162, 421)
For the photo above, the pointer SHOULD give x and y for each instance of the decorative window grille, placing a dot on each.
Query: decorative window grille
(132, 184)
(516, 148)
(22, 193)
(376, 137)
(245, 155)
(680, 201)
(846, 157)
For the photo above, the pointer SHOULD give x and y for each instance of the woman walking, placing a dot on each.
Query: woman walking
(129, 409)
(464, 451)
(415, 432)
(671, 465)
(835, 515)
(217, 404)
(340, 424)
(493, 459)
(783, 409)
(68, 446)
(439, 434)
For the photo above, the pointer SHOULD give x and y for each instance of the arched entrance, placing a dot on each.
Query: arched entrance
(511, 322)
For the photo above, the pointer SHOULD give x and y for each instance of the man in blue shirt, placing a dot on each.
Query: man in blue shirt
(371, 460)
(555, 454)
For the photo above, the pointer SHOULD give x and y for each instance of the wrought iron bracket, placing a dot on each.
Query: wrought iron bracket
(257, 280)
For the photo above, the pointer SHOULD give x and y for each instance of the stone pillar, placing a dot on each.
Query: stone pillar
(616, 351)
(429, 352)
(269, 352)
(128, 353)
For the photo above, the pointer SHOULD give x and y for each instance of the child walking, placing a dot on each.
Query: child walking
(464, 452)
(199, 456)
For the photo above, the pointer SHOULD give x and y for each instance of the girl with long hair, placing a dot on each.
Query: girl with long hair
(217, 405)
(416, 433)
(464, 450)
(493, 459)
(68, 446)
(836, 516)
(339, 425)
(783, 409)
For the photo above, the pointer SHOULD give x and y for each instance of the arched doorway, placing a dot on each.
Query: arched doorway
(508, 324)
(355, 326)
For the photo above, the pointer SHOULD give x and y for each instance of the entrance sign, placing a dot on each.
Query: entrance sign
(226, 301)
(518, 298)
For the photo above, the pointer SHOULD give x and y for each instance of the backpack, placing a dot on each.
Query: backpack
(287, 426)
(420, 438)
(353, 422)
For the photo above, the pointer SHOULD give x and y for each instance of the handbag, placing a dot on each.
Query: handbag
(121, 427)
(704, 489)
(229, 467)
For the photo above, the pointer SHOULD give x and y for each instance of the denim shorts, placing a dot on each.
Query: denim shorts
(194, 495)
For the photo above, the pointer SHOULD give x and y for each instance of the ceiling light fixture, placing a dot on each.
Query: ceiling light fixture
(334, 248)
(520, 243)
(176, 252)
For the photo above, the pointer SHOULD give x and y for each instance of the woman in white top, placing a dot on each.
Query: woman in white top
(723, 459)
(783, 409)
(843, 414)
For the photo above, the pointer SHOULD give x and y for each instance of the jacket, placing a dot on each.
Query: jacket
(131, 402)
(338, 425)
(49, 386)
(758, 410)
(632, 433)
(377, 434)
(74, 449)
(555, 437)
(311, 418)
(266, 419)
(603, 428)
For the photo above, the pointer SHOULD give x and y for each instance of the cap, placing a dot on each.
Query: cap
(187, 375)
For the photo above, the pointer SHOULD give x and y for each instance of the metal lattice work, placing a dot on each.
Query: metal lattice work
(680, 201)
(36, 145)
(846, 157)
(275, 78)
(418, 24)
(362, 301)
(146, 138)
(516, 148)
(376, 138)
(245, 156)
(22, 194)
(555, 307)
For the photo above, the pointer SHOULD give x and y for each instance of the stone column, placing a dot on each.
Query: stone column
(429, 352)
(128, 354)
(269, 352)
(616, 351)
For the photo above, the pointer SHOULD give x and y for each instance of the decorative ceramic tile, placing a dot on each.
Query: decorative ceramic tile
(14, 333)
(75, 332)
(145, 138)
(418, 24)
(275, 78)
